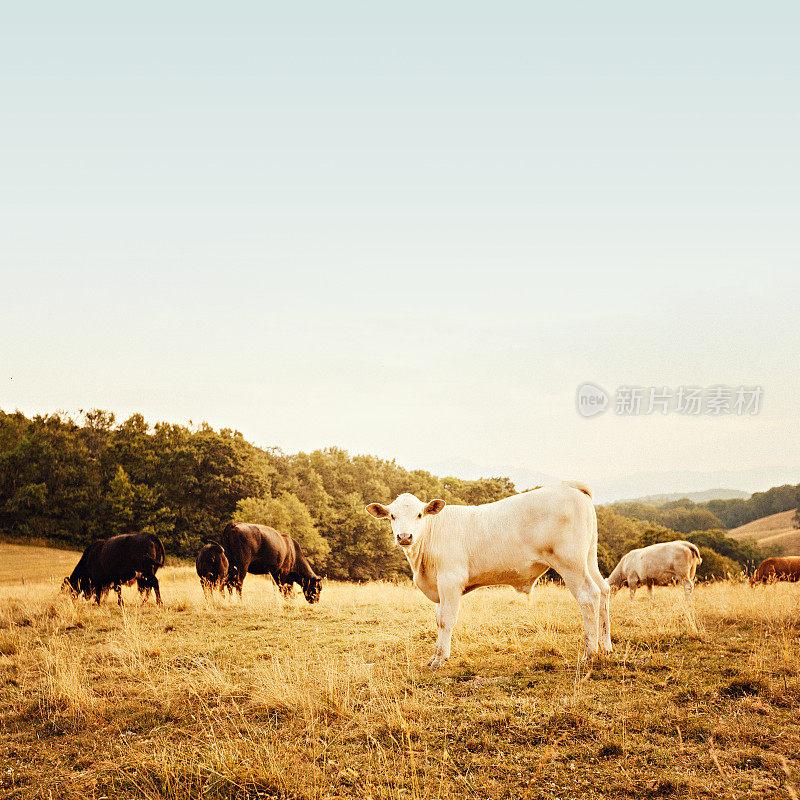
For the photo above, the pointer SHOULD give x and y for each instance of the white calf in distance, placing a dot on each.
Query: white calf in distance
(455, 549)
(660, 565)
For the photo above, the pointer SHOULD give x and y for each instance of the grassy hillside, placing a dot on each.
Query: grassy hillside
(776, 529)
(273, 699)
(695, 497)
(35, 564)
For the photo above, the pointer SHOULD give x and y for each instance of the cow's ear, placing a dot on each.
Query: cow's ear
(377, 510)
(434, 507)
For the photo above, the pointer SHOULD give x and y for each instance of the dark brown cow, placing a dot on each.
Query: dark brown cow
(115, 562)
(264, 551)
(786, 568)
(212, 567)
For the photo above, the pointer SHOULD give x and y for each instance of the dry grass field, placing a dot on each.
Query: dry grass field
(286, 700)
(36, 564)
(776, 529)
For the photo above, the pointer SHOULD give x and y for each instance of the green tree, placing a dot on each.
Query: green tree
(716, 566)
(287, 514)
(616, 535)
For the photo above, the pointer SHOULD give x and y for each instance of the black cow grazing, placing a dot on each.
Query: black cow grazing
(115, 562)
(212, 567)
(78, 581)
(265, 551)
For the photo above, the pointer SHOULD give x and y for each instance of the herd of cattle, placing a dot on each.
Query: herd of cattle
(452, 550)
(135, 557)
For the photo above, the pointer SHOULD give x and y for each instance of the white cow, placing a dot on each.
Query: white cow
(659, 565)
(455, 549)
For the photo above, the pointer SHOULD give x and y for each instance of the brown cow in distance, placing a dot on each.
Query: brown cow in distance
(262, 550)
(212, 567)
(786, 568)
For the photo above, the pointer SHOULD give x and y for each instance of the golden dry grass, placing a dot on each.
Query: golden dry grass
(274, 699)
(20, 562)
(776, 529)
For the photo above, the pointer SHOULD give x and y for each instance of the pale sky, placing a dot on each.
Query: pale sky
(407, 229)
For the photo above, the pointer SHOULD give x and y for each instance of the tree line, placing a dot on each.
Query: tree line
(70, 481)
(685, 515)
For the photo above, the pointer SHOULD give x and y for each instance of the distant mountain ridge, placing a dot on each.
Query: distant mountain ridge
(639, 485)
(695, 497)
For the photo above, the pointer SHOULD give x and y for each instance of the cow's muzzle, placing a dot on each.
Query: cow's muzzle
(404, 541)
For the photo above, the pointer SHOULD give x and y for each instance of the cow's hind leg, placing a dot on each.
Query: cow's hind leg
(605, 594)
(118, 590)
(151, 582)
(688, 587)
(157, 589)
(587, 593)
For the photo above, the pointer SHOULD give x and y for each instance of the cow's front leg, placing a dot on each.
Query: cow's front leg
(286, 590)
(118, 590)
(446, 616)
(144, 589)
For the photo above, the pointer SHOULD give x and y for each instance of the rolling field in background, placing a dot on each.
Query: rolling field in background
(285, 700)
(776, 529)
(21, 562)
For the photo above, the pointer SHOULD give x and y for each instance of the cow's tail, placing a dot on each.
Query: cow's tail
(580, 486)
(695, 551)
(159, 546)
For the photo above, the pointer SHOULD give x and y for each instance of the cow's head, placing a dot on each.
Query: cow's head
(76, 586)
(407, 516)
(312, 589)
(616, 580)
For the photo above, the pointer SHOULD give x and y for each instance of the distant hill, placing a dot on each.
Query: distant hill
(776, 529)
(33, 563)
(695, 497)
(652, 488)
(465, 469)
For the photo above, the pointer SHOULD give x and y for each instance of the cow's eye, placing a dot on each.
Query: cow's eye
(419, 516)
(391, 516)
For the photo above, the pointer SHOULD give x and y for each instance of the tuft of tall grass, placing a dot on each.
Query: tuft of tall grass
(65, 693)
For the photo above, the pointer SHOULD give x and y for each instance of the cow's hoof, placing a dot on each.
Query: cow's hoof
(589, 658)
(436, 662)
